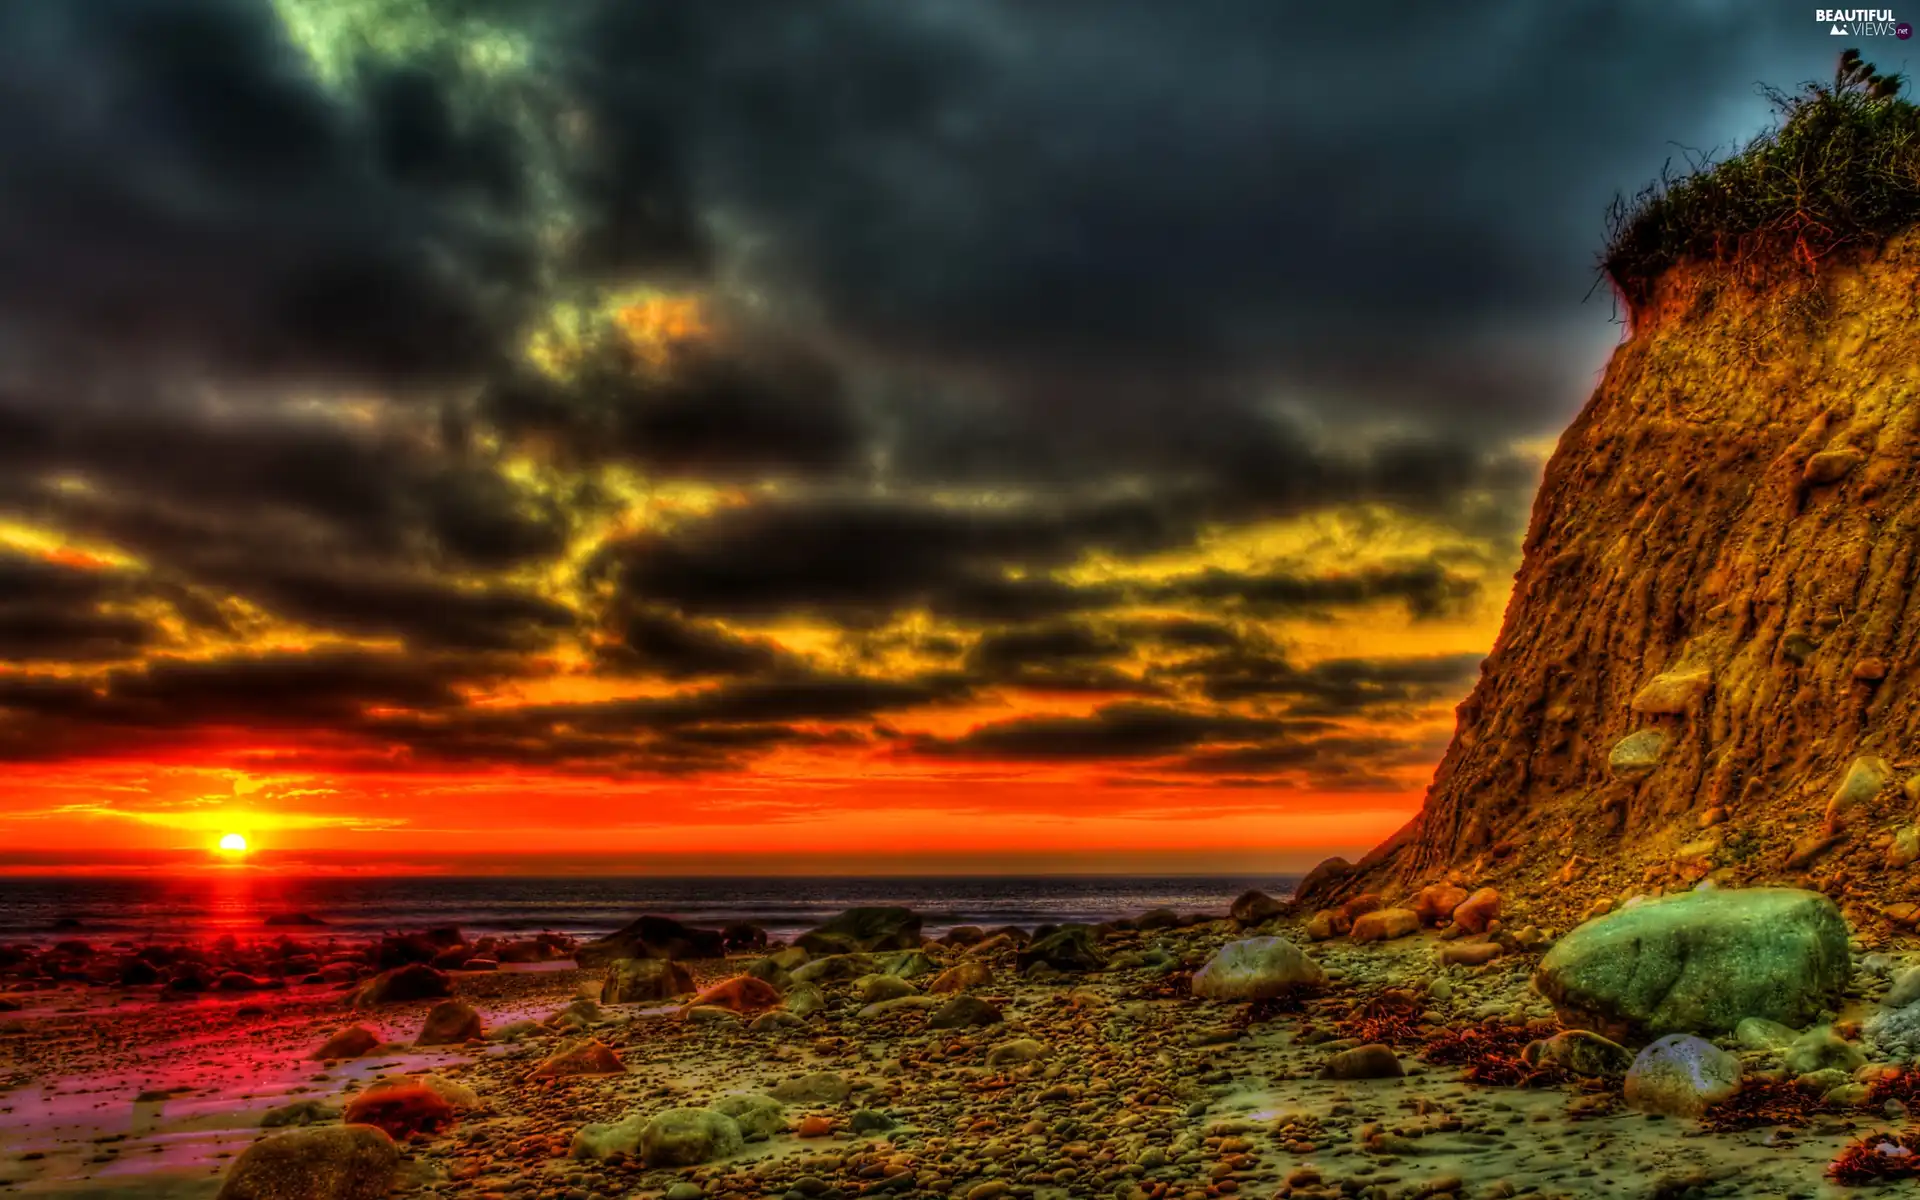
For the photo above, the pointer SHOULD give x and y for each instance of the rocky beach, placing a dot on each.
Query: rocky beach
(1434, 1044)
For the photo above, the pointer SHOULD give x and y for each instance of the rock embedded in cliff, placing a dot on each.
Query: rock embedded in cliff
(1699, 962)
(1263, 968)
(1673, 692)
(1831, 466)
(1636, 755)
(1862, 782)
(1681, 1075)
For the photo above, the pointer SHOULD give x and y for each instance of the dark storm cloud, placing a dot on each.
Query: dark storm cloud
(1133, 186)
(50, 612)
(863, 559)
(1121, 731)
(176, 185)
(1428, 588)
(745, 408)
(1333, 687)
(667, 645)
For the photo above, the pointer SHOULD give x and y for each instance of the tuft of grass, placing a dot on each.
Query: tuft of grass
(1839, 170)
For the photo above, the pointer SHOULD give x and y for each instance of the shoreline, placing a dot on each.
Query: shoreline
(1120, 1083)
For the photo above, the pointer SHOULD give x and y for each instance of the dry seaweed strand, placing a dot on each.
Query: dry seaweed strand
(1491, 1054)
(1763, 1102)
(1876, 1158)
(1390, 1018)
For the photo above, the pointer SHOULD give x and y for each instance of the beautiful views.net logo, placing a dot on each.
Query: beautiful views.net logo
(1862, 22)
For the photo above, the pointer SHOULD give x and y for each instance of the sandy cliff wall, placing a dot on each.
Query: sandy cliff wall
(1716, 617)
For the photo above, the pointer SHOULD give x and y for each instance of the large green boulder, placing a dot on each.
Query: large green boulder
(1700, 962)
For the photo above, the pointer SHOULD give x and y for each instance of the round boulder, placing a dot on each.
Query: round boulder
(1256, 969)
(335, 1162)
(1681, 1075)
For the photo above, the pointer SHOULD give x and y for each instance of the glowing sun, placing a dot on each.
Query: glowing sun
(233, 843)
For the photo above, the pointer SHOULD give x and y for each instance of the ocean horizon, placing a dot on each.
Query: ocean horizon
(216, 903)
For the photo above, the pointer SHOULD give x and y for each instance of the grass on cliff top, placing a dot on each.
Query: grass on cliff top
(1840, 170)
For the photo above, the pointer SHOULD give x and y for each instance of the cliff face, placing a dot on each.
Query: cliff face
(1711, 660)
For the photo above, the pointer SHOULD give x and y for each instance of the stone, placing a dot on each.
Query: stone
(299, 1113)
(834, 968)
(1255, 907)
(741, 994)
(758, 1116)
(805, 999)
(874, 988)
(1904, 851)
(881, 1008)
(1905, 989)
(653, 937)
(864, 929)
(401, 1108)
(1321, 925)
(907, 964)
(1470, 954)
(709, 1014)
(449, 1023)
(601, 1140)
(958, 978)
(1364, 1062)
(1069, 949)
(869, 1120)
(591, 1057)
(1831, 466)
(415, 981)
(1008, 1054)
(1435, 902)
(1385, 924)
(337, 1162)
(686, 1137)
(1857, 789)
(1673, 693)
(1758, 1033)
(821, 1087)
(1821, 1049)
(774, 1022)
(1681, 1075)
(351, 1042)
(1581, 1052)
(1477, 912)
(962, 1011)
(1700, 961)
(644, 981)
(1263, 968)
(1636, 755)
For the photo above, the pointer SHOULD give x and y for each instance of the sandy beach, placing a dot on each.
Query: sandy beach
(1115, 1082)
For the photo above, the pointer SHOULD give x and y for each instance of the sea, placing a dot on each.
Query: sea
(212, 904)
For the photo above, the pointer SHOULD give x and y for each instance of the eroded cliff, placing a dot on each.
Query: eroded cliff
(1708, 664)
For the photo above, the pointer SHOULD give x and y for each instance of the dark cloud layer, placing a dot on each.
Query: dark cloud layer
(988, 289)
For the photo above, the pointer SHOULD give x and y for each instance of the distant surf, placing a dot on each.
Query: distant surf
(210, 905)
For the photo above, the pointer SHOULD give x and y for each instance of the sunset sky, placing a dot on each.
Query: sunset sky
(818, 432)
